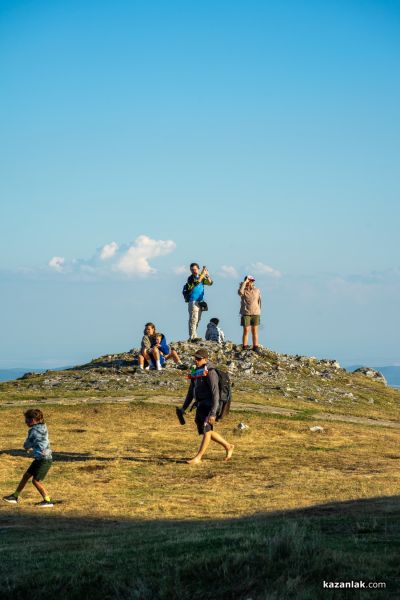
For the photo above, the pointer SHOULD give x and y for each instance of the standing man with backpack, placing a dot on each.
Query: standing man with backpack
(204, 389)
(193, 292)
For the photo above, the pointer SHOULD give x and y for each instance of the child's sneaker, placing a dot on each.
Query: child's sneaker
(11, 499)
(45, 504)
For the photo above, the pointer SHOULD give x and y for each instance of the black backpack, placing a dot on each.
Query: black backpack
(225, 394)
(186, 292)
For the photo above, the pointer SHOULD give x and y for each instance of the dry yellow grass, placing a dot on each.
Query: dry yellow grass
(127, 461)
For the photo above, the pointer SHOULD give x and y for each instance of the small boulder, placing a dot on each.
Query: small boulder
(371, 374)
(241, 428)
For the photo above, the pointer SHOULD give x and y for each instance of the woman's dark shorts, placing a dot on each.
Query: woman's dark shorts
(202, 412)
(248, 320)
(39, 468)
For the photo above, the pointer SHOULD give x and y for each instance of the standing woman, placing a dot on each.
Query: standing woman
(250, 310)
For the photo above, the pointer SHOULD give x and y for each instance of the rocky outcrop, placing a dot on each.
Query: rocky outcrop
(267, 373)
(371, 374)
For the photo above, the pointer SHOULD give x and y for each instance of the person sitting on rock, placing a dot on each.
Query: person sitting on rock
(148, 340)
(250, 311)
(204, 388)
(214, 333)
(161, 352)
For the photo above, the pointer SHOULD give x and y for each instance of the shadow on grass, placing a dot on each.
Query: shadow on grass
(86, 456)
(268, 556)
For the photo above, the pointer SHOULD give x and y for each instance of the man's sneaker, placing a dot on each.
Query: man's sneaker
(139, 371)
(11, 499)
(195, 340)
(257, 349)
(45, 504)
(182, 367)
(245, 347)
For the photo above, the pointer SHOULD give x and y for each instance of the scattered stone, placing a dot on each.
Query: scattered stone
(317, 429)
(326, 374)
(242, 426)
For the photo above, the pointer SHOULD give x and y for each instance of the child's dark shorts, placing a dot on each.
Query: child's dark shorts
(202, 412)
(39, 468)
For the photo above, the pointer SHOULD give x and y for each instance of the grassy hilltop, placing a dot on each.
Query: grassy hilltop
(295, 507)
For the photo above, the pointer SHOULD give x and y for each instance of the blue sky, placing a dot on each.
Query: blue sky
(248, 136)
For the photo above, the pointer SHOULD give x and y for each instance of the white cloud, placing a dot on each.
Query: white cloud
(108, 251)
(115, 260)
(182, 270)
(135, 261)
(228, 271)
(56, 263)
(260, 268)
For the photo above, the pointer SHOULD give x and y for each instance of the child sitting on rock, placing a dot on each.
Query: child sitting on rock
(214, 333)
(161, 352)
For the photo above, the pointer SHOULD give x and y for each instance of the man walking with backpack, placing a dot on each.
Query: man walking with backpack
(193, 292)
(204, 389)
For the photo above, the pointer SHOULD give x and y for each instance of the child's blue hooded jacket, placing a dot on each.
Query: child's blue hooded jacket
(38, 440)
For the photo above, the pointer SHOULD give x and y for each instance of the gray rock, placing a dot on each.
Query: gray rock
(371, 374)
(242, 426)
(326, 374)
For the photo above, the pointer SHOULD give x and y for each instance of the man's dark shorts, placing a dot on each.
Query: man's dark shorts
(248, 320)
(39, 468)
(202, 412)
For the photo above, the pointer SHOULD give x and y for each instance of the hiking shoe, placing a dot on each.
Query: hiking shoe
(182, 367)
(45, 504)
(139, 372)
(256, 349)
(11, 499)
(195, 340)
(245, 347)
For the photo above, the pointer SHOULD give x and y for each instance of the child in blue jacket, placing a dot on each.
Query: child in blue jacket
(161, 352)
(38, 443)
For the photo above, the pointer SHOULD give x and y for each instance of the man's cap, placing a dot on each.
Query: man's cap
(250, 277)
(201, 353)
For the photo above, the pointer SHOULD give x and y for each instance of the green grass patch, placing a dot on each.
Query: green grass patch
(268, 557)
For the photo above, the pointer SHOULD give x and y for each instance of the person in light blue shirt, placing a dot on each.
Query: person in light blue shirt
(214, 333)
(195, 288)
(38, 444)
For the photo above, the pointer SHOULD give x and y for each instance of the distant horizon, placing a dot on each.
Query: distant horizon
(57, 364)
